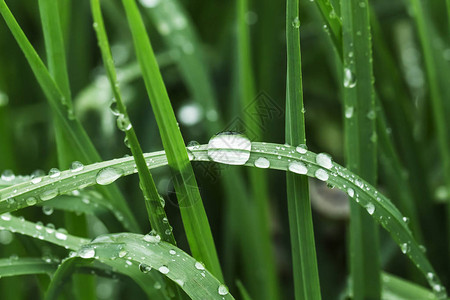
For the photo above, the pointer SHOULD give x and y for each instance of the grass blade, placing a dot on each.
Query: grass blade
(306, 274)
(155, 210)
(25, 266)
(191, 206)
(360, 144)
(74, 132)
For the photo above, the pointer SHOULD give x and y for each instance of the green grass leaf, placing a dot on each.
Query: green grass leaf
(194, 217)
(25, 266)
(306, 274)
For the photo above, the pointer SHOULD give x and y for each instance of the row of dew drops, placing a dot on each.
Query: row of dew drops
(229, 148)
(89, 251)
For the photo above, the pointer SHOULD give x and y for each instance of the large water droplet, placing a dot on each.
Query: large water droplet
(324, 160)
(86, 253)
(321, 174)
(222, 290)
(262, 162)
(298, 167)
(349, 78)
(150, 3)
(229, 148)
(31, 201)
(108, 175)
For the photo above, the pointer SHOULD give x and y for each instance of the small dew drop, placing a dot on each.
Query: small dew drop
(49, 194)
(108, 175)
(296, 22)
(5, 217)
(123, 123)
(199, 266)
(405, 248)
(144, 268)
(31, 201)
(60, 236)
(54, 173)
(302, 149)
(351, 192)
(349, 112)
(222, 290)
(164, 269)
(8, 175)
(321, 174)
(152, 237)
(370, 208)
(86, 253)
(122, 253)
(262, 162)
(298, 167)
(76, 167)
(349, 79)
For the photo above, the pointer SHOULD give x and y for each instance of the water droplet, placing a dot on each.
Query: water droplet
(144, 268)
(302, 149)
(61, 236)
(349, 78)
(86, 253)
(321, 174)
(190, 114)
(164, 269)
(298, 167)
(113, 107)
(54, 173)
(122, 253)
(262, 162)
(223, 290)
(172, 252)
(49, 194)
(296, 22)
(179, 282)
(152, 237)
(351, 192)
(5, 217)
(47, 210)
(370, 208)
(371, 115)
(405, 219)
(126, 142)
(108, 175)
(349, 111)
(199, 266)
(123, 123)
(76, 166)
(324, 160)
(31, 201)
(229, 148)
(157, 285)
(405, 248)
(8, 175)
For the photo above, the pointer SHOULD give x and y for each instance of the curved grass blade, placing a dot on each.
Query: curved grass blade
(75, 136)
(193, 213)
(132, 251)
(360, 143)
(397, 288)
(280, 157)
(306, 274)
(25, 266)
(156, 214)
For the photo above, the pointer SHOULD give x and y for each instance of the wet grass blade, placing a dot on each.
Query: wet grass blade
(156, 214)
(376, 204)
(25, 266)
(360, 144)
(397, 288)
(267, 285)
(193, 213)
(75, 136)
(306, 275)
